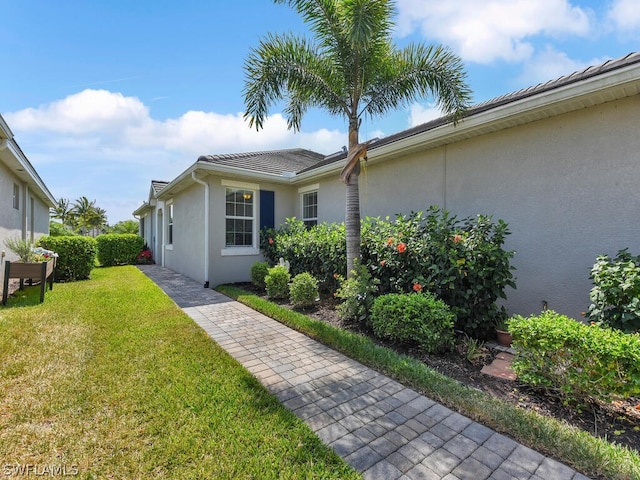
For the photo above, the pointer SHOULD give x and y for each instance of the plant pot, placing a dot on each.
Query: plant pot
(504, 338)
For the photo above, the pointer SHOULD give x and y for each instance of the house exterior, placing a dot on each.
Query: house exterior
(24, 198)
(559, 162)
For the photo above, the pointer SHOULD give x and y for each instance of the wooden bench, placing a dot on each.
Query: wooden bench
(34, 272)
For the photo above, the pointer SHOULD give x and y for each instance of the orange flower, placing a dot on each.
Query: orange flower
(417, 287)
(383, 263)
(401, 247)
(271, 241)
(335, 275)
(389, 241)
(457, 238)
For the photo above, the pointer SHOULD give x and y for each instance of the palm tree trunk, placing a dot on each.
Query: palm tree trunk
(352, 210)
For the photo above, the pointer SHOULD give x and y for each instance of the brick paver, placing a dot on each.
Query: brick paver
(381, 428)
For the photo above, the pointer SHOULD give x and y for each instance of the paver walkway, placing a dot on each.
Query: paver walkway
(381, 428)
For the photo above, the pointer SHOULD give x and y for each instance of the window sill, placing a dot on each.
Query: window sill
(237, 251)
(168, 247)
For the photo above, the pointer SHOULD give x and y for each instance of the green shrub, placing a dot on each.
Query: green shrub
(259, 271)
(357, 294)
(461, 261)
(414, 319)
(277, 282)
(319, 250)
(582, 362)
(303, 290)
(118, 248)
(615, 298)
(76, 256)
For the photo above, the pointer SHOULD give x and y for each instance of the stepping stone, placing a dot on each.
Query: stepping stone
(500, 367)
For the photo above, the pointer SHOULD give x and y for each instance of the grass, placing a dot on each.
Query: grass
(110, 379)
(590, 455)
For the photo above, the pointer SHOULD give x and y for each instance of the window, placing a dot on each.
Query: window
(16, 196)
(310, 208)
(170, 224)
(239, 217)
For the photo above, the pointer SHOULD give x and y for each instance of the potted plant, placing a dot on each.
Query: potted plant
(503, 336)
(35, 264)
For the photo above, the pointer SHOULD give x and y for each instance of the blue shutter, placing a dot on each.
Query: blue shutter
(267, 209)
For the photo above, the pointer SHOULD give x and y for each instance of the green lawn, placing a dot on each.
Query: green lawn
(108, 377)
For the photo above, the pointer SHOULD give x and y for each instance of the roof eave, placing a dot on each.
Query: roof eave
(609, 86)
(22, 168)
(184, 180)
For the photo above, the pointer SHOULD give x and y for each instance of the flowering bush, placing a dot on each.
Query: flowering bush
(461, 261)
(145, 257)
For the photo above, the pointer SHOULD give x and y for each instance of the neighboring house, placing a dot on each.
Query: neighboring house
(24, 198)
(559, 162)
(148, 215)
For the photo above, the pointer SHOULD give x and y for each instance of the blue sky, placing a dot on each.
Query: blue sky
(104, 96)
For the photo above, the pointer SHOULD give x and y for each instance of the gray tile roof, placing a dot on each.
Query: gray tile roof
(274, 162)
(158, 185)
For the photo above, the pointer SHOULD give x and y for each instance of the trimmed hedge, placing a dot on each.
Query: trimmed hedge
(413, 319)
(119, 248)
(582, 362)
(277, 282)
(76, 256)
(259, 270)
(303, 290)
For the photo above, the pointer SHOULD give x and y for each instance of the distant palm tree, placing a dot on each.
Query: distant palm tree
(126, 226)
(84, 214)
(62, 211)
(99, 220)
(350, 69)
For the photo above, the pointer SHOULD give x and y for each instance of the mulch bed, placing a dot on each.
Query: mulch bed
(617, 422)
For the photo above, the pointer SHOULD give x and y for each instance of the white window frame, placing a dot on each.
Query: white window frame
(169, 232)
(16, 196)
(252, 249)
(304, 191)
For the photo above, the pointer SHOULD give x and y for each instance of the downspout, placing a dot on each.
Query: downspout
(206, 227)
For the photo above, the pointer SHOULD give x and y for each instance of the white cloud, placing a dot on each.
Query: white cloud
(625, 14)
(107, 146)
(420, 114)
(492, 30)
(550, 65)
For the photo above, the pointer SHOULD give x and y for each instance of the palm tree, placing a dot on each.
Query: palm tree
(84, 213)
(62, 211)
(98, 221)
(351, 69)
